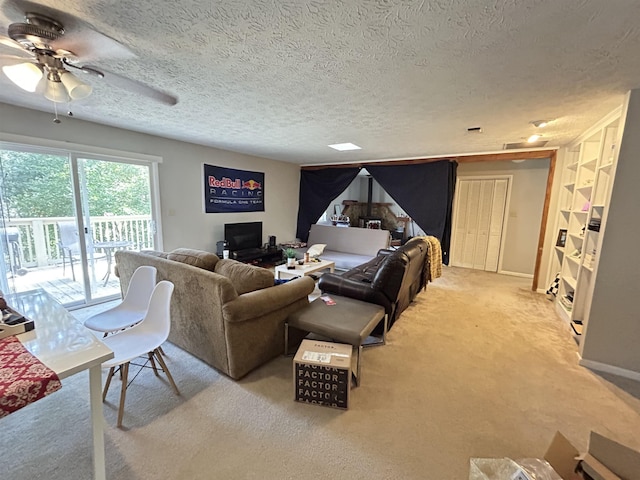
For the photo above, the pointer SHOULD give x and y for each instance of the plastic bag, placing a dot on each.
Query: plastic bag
(507, 469)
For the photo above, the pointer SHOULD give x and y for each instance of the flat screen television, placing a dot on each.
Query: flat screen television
(242, 236)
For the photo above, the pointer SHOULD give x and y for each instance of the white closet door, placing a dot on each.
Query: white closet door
(495, 227)
(479, 217)
(471, 232)
(460, 227)
(484, 222)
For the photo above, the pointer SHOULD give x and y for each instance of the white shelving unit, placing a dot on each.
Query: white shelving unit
(587, 178)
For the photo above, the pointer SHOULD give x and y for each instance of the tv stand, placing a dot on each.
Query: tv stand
(258, 256)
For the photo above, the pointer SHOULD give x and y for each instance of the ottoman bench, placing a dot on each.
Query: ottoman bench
(349, 321)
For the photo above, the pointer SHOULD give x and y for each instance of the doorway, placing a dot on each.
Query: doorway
(63, 215)
(479, 221)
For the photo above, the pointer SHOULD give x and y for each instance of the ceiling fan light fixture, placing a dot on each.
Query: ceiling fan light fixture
(55, 90)
(25, 75)
(76, 88)
(43, 38)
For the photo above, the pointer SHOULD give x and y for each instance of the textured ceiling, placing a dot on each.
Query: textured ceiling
(283, 79)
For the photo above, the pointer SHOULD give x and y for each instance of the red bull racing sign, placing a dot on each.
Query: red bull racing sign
(231, 190)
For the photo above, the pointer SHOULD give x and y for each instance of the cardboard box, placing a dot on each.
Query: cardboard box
(605, 459)
(322, 373)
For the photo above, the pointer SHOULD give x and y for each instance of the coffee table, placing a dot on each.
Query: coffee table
(305, 269)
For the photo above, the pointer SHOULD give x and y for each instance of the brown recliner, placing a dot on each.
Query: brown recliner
(392, 279)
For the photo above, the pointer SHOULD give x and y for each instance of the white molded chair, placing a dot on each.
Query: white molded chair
(133, 307)
(143, 339)
(69, 244)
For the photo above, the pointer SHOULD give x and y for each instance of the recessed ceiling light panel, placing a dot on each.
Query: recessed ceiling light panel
(540, 123)
(345, 146)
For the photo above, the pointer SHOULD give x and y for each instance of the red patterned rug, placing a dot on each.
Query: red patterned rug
(23, 378)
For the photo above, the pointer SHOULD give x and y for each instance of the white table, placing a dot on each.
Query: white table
(305, 269)
(109, 248)
(67, 347)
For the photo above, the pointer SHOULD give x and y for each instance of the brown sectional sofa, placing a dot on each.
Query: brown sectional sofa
(226, 313)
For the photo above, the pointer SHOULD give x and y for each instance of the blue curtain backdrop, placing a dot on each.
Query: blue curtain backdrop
(425, 191)
(318, 188)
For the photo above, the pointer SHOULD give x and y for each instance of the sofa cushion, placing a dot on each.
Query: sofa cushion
(358, 241)
(316, 249)
(365, 272)
(197, 258)
(151, 253)
(155, 253)
(245, 278)
(344, 261)
(388, 277)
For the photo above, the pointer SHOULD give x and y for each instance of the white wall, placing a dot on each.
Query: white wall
(184, 222)
(380, 195)
(524, 214)
(358, 190)
(613, 328)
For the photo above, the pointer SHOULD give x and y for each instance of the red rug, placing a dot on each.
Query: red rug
(23, 378)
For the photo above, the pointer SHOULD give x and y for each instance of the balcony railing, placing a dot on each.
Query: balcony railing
(37, 239)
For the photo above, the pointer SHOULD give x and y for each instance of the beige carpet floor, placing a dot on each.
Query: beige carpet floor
(478, 366)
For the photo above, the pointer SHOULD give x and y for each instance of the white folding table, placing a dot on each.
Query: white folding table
(67, 347)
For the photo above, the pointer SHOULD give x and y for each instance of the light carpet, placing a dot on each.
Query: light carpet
(477, 366)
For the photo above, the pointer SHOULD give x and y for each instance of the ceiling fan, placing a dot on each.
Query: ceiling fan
(47, 60)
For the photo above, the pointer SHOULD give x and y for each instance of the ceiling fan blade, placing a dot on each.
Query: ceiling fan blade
(80, 37)
(8, 42)
(90, 45)
(132, 85)
(6, 60)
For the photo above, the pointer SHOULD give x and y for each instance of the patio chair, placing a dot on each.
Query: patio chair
(69, 244)
(133, 307)
(144, 338)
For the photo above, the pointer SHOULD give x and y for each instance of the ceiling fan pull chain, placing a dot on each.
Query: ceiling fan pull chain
(55, 109)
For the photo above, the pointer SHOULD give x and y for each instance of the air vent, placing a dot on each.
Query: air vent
(525, 145)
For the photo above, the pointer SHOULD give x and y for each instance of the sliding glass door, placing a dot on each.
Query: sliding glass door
(64, 216)
(116, 215)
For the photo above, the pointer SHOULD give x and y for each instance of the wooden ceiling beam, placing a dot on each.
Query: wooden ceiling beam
(485, 157)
